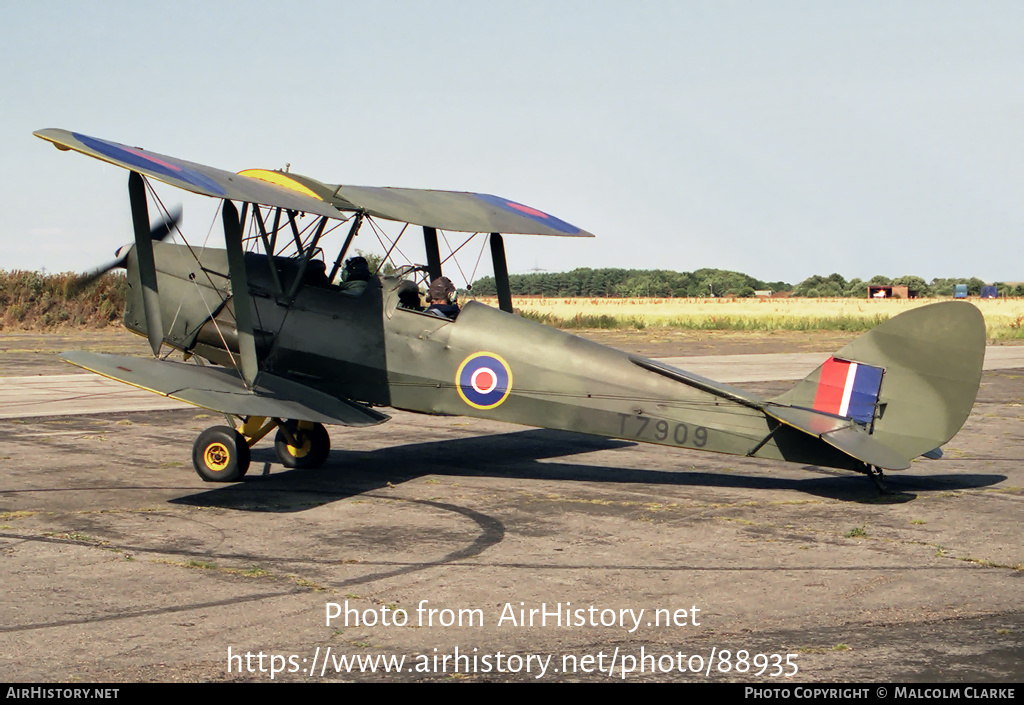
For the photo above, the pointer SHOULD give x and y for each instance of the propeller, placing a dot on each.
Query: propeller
(157, 233)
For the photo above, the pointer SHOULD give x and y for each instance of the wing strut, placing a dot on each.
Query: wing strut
(147, 267)
(269, 246)
(240, 293)
(306, 253)
(356, 222)
(501, 273)
(433, 252)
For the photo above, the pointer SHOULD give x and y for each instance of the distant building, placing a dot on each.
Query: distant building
(895, 291)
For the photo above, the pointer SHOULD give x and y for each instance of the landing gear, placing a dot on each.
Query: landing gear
(302, 445)
(221, 454)
(875, 473)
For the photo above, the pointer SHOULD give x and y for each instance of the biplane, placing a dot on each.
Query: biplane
(270, 338)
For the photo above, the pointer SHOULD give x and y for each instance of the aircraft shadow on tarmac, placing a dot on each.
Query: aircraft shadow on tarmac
(517, 455)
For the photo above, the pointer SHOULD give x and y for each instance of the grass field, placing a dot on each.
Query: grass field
(1004, 318)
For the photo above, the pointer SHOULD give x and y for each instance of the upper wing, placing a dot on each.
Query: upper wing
(220, 389)
(445, 210)
(453, 210)
(459, 211)
(190, 176)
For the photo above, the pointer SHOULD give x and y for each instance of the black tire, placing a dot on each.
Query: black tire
(221, 454)
(312, 451)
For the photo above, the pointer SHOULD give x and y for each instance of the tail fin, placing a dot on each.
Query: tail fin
(912, 379)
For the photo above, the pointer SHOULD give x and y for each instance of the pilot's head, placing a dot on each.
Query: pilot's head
(316, 272)
(357, 269)
(441, 291)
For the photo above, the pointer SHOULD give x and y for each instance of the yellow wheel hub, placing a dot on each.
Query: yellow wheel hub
(217, 456)
(303, 450)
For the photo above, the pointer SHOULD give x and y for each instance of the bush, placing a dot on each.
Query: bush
(36, 301)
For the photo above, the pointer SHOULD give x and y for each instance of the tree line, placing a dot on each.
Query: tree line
(834, 285)
(658, 283)
(662, 283)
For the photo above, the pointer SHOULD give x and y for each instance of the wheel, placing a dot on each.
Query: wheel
(220, 454)
(314, 445)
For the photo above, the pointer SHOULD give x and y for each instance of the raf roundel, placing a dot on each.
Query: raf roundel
(484, 380)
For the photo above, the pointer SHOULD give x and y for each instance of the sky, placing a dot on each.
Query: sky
(779, 139)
